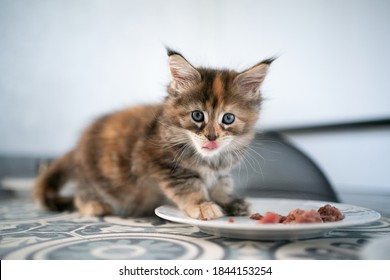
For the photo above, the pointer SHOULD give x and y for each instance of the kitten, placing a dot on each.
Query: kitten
(130, 162)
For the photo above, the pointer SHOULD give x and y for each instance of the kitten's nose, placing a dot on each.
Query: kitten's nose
(212, 137)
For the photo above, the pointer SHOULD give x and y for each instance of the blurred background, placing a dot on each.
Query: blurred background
(65, 62)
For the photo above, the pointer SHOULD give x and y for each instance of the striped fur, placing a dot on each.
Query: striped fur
(129, 162)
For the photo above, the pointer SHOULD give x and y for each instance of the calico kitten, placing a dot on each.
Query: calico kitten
(130, 162)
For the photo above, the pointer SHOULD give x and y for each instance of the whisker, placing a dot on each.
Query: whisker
(249, 158)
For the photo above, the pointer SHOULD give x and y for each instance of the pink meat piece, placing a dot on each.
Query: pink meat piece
(299, 216)
(270, 218)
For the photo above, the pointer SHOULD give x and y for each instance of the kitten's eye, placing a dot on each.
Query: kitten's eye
(228, 118)
(197, 116)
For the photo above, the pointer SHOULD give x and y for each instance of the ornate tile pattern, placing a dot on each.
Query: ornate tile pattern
(29, 233)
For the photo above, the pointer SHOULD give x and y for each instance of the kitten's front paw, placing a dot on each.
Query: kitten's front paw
(205, 210)
(237, 207)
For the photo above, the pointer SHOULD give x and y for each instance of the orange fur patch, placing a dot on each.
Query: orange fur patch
(218, 87)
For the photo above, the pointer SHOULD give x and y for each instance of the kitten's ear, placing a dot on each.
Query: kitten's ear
(250, 80)
(183, 74)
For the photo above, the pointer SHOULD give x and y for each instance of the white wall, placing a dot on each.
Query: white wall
(64, 62)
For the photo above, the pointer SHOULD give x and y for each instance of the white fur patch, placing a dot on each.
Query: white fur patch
(199, 141)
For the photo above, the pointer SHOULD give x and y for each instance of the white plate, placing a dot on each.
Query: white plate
(246, 228)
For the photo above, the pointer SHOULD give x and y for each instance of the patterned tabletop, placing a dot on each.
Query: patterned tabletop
(29, 233)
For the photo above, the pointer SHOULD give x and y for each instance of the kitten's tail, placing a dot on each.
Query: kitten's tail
(50, 181)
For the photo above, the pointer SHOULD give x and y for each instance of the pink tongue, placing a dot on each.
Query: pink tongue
(211, 145)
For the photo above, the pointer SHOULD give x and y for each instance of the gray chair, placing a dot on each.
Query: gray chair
(274, 168)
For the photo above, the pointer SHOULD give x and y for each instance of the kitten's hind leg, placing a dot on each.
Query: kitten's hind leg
(89, 204)
(93, 208)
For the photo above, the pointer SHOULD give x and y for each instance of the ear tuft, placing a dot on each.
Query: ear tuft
(268, 60)
(172, 52)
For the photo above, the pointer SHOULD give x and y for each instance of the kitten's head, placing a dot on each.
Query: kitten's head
(214, 111)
